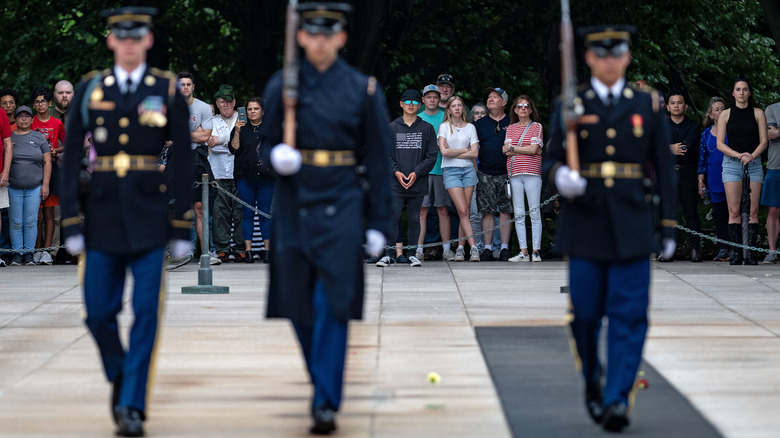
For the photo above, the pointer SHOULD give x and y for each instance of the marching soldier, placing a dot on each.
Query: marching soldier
(608, 222)
(131, 111)
(342, 150)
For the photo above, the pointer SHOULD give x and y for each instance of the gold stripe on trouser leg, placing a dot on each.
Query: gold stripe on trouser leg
(80, 274)
(160, 308)
(632, 395)
(572, 343)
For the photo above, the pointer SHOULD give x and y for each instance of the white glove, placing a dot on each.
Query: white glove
(180, 248)
(569, 182)
(285, 159)
(375, 242)
(669, 246)
(75, 244)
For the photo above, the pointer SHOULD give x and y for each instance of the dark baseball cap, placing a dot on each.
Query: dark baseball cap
(445, 78)
(411, 94)
(23, 109)
(501, 92)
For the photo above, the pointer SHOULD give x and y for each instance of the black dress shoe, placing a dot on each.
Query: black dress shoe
(250, 258)
(696, 255)
(129, 421)
(372, 260)
(615, 417)
(324, 420)
(116, 389)
(594, 402)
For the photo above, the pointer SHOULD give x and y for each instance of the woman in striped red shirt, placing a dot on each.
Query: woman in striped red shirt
(523, 147)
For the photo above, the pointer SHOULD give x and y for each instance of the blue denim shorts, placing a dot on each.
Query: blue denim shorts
(459, 177)
(732, 170)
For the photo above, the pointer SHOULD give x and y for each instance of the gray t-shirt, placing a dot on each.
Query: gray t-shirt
(200, 115)
(773, 118)
(27, 163)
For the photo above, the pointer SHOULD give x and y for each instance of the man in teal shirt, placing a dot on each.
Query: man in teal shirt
(437, 195)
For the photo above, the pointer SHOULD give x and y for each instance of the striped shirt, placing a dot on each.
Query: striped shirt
(523, 164)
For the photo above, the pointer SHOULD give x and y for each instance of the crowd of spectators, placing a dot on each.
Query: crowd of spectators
(478, 167)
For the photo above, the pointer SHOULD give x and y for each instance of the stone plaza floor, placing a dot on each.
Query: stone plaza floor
(223, 370)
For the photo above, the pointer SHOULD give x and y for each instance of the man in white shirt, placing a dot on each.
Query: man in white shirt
(227, 211)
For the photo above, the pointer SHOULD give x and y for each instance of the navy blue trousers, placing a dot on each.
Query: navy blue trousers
(104, 283)
(619, 291)
(324, 345)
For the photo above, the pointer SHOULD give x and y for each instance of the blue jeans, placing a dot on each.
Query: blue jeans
(259, 195)
(23, 217)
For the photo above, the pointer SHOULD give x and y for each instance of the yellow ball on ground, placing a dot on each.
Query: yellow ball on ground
(434, 378)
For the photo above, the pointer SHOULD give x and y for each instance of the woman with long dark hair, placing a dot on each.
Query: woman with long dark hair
(523, 148)
(745, 127)
(255, 185)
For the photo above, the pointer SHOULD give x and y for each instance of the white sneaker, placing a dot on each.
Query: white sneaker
(384, 262)
(37, 257)
(535, 257)
(449, 256)
(45, 258)
(520, 257)
(419, 254)
(413, 261)
(214, 260)
(474, 255)
(460, 254)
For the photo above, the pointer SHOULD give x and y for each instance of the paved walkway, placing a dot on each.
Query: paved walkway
(225, 371)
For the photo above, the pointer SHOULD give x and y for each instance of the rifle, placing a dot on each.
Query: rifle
(571, 105)
(290, 73)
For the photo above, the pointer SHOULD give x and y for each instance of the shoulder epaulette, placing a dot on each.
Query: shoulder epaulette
(108, 71)
(371, 90)
(583, 87)
(163, 73)
(90, 75)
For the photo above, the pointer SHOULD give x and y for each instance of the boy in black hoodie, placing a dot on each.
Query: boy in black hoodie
(412, 157)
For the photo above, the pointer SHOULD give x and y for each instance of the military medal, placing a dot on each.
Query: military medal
(109, 81)
(97, 95)
(151, 112)
(637, 123)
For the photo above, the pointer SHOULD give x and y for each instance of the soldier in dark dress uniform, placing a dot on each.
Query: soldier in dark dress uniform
(131, 111)
(608, 223)
(338, 174)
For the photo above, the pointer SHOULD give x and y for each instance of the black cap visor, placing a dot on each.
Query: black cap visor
(605, 50)
(135, 33)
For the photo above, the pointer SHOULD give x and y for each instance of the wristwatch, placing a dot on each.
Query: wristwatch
(511, 148)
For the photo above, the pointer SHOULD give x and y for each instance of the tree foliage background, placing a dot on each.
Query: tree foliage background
(696, 45)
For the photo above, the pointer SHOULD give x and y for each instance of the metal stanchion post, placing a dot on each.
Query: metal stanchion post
(204, 273)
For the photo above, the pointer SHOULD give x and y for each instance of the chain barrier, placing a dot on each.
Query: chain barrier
(727, 242)
(475, 235)
(427, 245)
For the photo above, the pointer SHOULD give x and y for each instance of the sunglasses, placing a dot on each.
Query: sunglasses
(522, 105)
(498, 128)
(411, 102)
